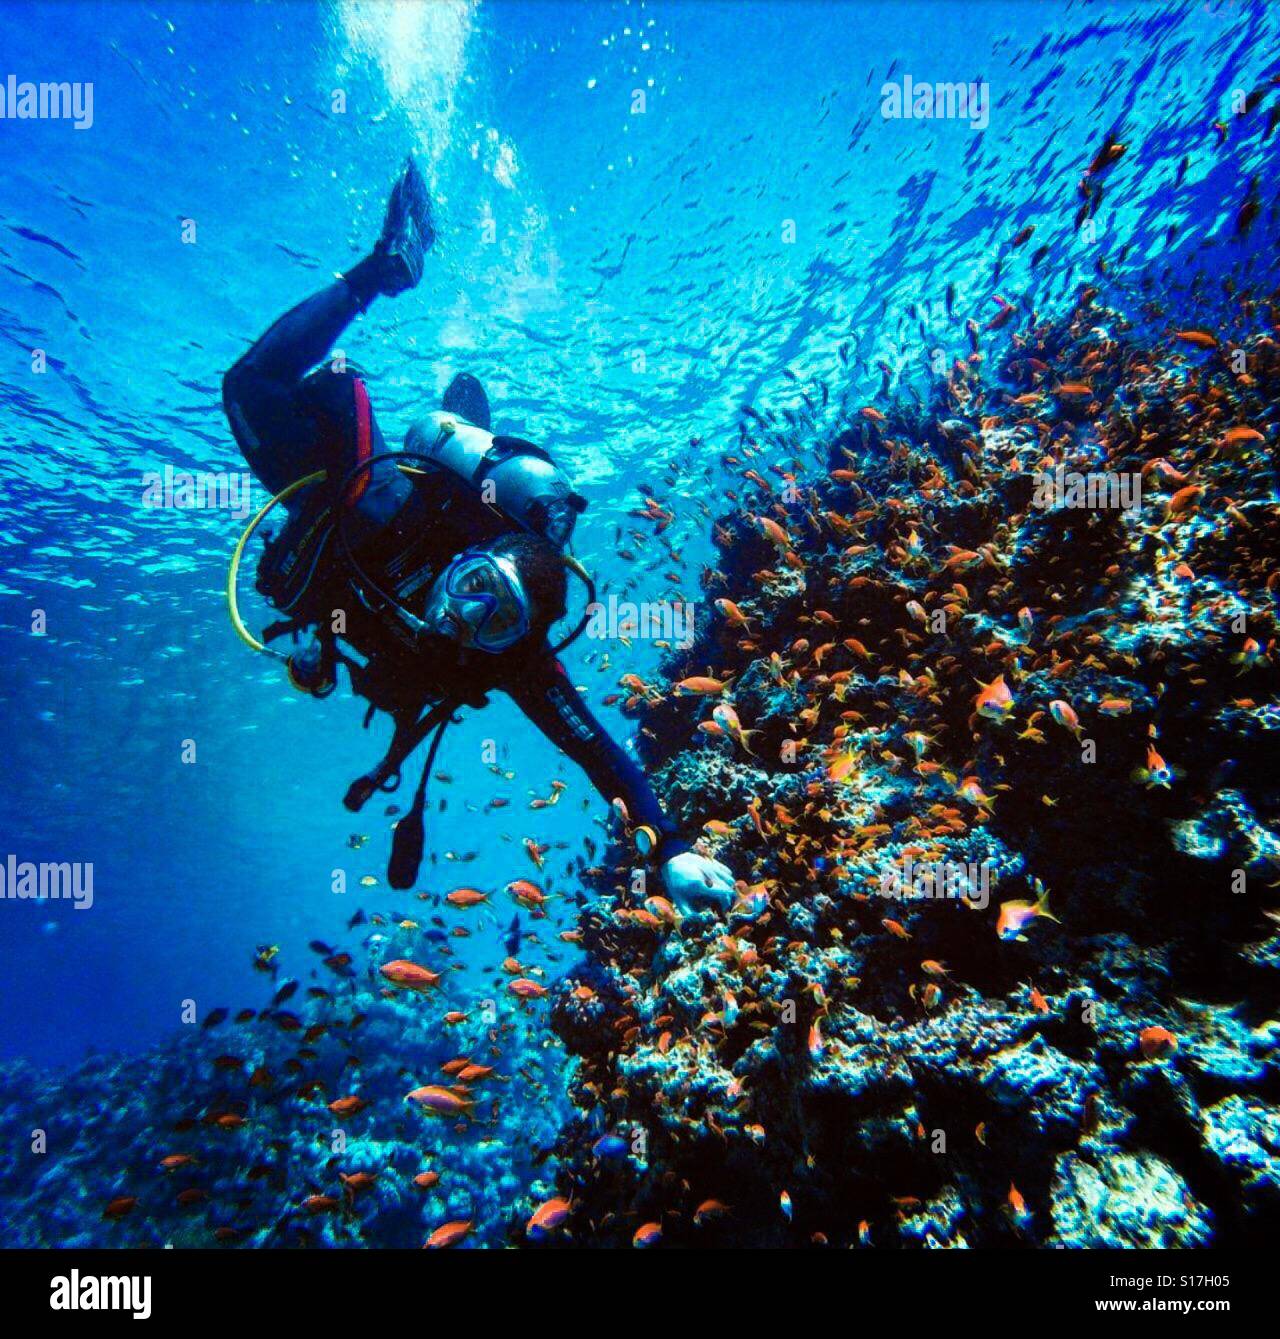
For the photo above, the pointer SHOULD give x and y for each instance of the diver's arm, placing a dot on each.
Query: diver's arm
(551, 702)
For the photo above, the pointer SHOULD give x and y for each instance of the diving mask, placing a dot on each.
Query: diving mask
(479, 600)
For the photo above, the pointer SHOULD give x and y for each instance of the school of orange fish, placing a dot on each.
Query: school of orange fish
(906, 659)
(914, 662)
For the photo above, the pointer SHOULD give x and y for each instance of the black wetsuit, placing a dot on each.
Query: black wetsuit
(291, 421)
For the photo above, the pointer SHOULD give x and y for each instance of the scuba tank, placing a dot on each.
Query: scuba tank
(515, 477)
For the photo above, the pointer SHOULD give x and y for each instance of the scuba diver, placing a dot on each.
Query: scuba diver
(433, 574)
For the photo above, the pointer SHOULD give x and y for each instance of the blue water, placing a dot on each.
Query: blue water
(638, 290)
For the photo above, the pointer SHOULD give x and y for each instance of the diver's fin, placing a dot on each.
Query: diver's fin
(465, 397)
(407, 232)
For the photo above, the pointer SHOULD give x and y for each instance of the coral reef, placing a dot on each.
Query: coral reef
(984, 723)
(998, 784)
(290, 1126)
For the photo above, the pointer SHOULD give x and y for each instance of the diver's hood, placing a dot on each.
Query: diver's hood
(517, 477)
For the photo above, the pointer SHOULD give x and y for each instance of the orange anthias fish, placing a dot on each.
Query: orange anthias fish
(1018, 1210)
(1065, 714)
(1249, 656)
(1157, 772)
(1200, 339)
(701, 685)
(970, 789)
(733, 615)
(449, 1235)
(1156, 1043)
(1115, 706)
(1237, 436)
(443, 1101)
(1015, 915)
(528, 894)
(526, 989)
(727, 719)
(466, 897)
(548, 1216)
(995, 701)
(773, 532)
(842, 765)
(357, 1181)
(410, 975)
(176, 1160)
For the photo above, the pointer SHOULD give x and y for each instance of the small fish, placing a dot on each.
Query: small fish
(1156, 1043)
(995, 701)
(1018, 1210)
(526, 989)
(547, 1217)
(970, 789)
(732, 614)
(727, 719)
(708, 1211)
(1200, 339)
(1065, 714)
(1107, 156)
(410, 975)
(466, 897)
(815, 1043)
(1015, 915)
(1249, 656)
(1157, 773)
(701, 685)
(610, 1146)
(449, 1235)
(1115, 706)
(443, 1101)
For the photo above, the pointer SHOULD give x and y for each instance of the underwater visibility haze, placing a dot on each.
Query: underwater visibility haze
(890, 862)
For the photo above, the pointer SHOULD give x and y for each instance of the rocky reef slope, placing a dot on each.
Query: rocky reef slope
(950, 659)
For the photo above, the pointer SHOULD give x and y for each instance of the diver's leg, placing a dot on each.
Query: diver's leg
(299, 339)
(260, 393)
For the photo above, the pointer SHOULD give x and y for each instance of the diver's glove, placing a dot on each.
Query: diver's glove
(694, 880)
(396, 262)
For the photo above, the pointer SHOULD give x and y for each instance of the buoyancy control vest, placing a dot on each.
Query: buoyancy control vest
(467, 487)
